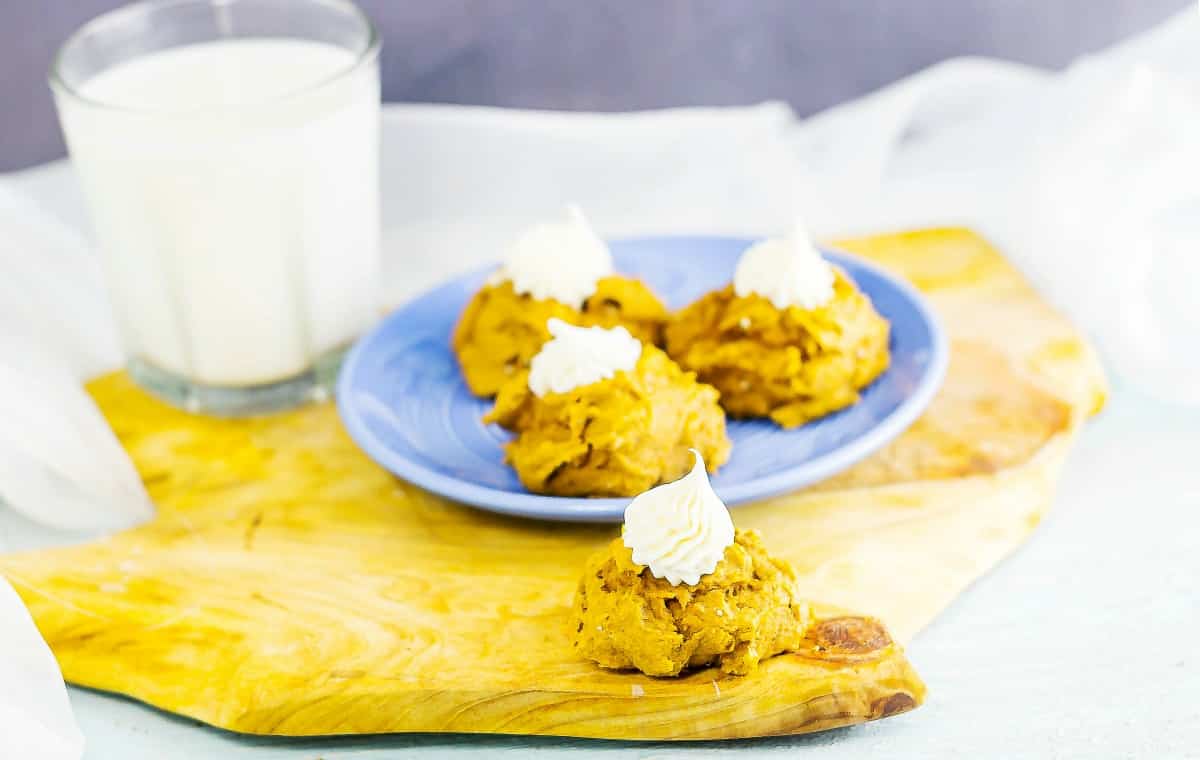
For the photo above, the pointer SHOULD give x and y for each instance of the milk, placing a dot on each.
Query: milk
(233, 187)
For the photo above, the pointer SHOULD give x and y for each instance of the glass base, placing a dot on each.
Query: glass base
(314, 385)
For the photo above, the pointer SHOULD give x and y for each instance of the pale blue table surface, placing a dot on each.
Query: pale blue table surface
(1082, 644)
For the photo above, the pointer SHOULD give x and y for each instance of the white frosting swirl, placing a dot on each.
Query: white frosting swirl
(679, 530)
(578, 356)
(562, 260)
(787, 271)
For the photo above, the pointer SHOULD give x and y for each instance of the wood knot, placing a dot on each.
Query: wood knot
(848, 636)
(893, 705)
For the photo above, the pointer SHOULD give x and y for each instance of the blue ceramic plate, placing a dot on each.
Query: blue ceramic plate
(403, 400)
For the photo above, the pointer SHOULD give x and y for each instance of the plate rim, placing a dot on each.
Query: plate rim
(611, 510)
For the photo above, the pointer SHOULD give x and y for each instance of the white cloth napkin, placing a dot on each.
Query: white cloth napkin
(460, 182)
(1075, 175)
(60, 463)
(35, 716)
(1085, 178)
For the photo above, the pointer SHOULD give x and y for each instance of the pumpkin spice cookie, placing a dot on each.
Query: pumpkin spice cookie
(558, 270)
(791, 338)
(601, 414)
(682, 589)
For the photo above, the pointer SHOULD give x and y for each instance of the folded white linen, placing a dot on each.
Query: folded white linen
(35, 716)
(460, 182)
(1115, 185)
(1086, 179)
(51, 290)
(60, 464)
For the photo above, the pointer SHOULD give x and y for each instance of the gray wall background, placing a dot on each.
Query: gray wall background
(614, 55)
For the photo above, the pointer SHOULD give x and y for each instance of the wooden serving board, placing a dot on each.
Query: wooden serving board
(290, 586)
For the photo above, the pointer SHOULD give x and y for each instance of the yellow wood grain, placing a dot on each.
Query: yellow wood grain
(290, 586)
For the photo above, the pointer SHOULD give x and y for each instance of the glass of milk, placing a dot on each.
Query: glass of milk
(229, 153)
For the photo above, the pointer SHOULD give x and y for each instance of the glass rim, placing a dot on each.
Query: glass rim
(117, 16)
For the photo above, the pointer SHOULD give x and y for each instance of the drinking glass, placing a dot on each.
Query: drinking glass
(228, 151)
